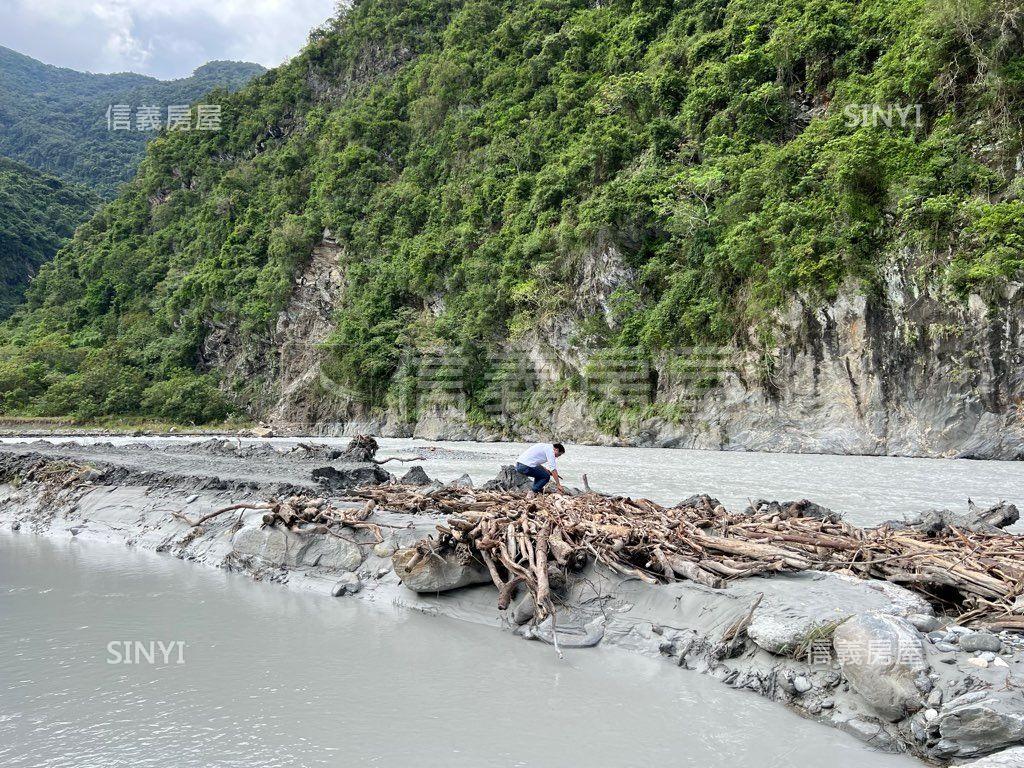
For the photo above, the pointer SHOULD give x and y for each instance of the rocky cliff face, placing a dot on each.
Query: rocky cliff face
(278, 375)
(910, 371)
(906, 373)
(906, 370)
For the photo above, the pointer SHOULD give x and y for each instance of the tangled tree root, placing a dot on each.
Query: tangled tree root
(521, 539)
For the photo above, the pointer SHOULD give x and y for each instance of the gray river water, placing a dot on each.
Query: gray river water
(866, 489)
(258, 675)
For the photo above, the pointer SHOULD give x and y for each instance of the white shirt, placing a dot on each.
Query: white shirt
(537, 454)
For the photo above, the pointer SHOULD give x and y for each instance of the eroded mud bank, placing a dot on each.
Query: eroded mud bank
(941, 692)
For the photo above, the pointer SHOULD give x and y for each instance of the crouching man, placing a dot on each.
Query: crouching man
(531, 463)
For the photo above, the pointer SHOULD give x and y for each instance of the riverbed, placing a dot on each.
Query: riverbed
(867, 490)
(266, 676)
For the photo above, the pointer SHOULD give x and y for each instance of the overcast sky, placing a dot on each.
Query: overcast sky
(163, 38)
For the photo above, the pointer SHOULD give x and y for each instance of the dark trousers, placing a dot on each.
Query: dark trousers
(539, 474)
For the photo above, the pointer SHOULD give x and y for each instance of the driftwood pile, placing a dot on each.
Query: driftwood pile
(529, 539)
(305, 514)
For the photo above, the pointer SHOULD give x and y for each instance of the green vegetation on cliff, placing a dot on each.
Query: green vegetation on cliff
(478, 151)
(55, 119)
(37, 214)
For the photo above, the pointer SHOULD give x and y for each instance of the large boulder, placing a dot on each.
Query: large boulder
(278, 547)
(1000, 515)
(330, 552)
(436, 572)
(415, 476)
(350, 477)
(981, 722)
(1008, 758)
(796, 607)
(508, 480)
(360, 448)
(977, 520)
(883, 659)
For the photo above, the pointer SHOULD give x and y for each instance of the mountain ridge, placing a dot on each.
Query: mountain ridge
(472, 164)
(54, 118)
(38, 213)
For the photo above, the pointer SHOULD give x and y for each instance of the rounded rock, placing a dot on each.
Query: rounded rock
(383, 549)
(981, 641)
(923, 622)
(801, 684)
(349, 584)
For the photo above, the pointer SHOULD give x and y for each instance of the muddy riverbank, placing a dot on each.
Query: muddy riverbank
(951, 700)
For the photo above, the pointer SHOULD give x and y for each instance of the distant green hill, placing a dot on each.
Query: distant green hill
(37, 214)
(55, 119)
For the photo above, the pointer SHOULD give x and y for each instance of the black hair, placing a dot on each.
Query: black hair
(559, 447)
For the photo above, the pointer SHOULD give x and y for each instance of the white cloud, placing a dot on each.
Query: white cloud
(165, 38)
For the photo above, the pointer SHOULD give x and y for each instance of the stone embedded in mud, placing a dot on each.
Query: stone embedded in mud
(435, 572)
(349, 584)
(801, 684)
(796, 607)
(882, 657)
(345, 479)
(568, 636)
(980, 641)
(983, 721)
(384, 549)
(277, 547)
(330, 552)
(1008, 758)
(902, 602)
(866, 729)
(415, 476)
(524, 609)
(923, 622)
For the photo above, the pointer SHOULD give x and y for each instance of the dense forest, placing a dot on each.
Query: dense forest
(735, 152)
(55, 119)
(37, 214)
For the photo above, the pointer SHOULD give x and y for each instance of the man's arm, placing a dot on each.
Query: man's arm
(557, 479)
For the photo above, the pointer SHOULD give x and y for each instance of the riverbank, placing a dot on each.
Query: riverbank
(37, 426)
(969, 704)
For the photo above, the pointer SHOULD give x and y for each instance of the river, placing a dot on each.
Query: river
(259, 675)
(866, 489)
